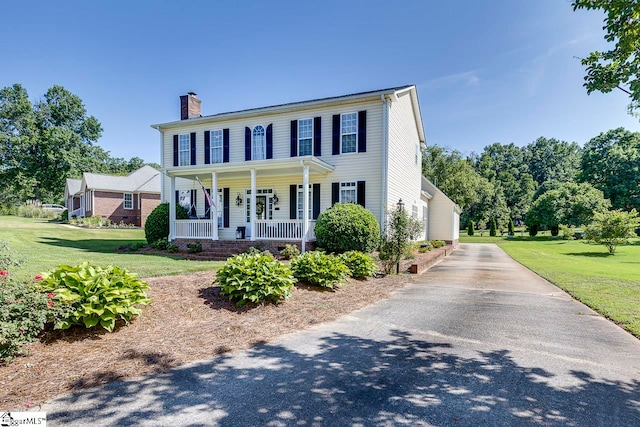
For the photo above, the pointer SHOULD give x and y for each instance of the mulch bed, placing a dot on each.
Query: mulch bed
(187, 321)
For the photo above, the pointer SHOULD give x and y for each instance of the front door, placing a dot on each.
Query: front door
(264, 206)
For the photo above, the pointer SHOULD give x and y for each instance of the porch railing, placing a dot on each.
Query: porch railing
(193, 228)
(77, 213)
(282, 230)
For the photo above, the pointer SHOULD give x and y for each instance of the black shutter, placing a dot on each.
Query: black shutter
(177, 197)
(270, 142)
(192, 210)
(362, 131)
(317, 136)
(293, 201)
(225, 145)
(207, 206)
(207, 147)
(294, 138)
(225, 209)
(316, 200)
(335, 142)
(335, 193)
(247, 144)
(193, 148)
(360, 193)
(175, 150)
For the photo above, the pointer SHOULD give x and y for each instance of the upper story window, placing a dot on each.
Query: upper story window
(184, 149)
(348, 193)
(349, 132)
(216, 146)
(258, 143)
(305, 137)
(128, 201)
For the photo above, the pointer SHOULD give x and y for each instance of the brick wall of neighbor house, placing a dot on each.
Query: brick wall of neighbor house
(148, 203)
(109, 205)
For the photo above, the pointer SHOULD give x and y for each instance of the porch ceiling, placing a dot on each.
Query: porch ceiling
(270, 167)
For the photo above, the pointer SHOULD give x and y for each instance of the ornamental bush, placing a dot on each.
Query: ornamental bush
(470, 228)
(290, 251)
(157, 225)
(360, 265)
(319, 269)
(347, 227)
(255, 278)
(95, 295)
(613, 228)
(510, 227)
(493, 228)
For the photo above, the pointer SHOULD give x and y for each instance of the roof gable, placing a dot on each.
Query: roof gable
(146, 179)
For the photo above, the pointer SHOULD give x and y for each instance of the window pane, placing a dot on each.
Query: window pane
(184, 150)
(349, 123)
(348, 192)
(349, 143)
(216, 146)
(258, 144)
(305, 147)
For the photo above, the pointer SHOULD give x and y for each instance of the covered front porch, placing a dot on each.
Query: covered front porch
(262, 200)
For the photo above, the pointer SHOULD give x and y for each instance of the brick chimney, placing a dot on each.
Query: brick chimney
(189, 106)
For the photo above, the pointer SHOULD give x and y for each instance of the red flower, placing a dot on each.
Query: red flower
(50, 303)
(51, 295)
(21, 331)
(38, 277)
(4, 273)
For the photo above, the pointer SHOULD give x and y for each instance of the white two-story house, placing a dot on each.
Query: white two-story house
(265, 174)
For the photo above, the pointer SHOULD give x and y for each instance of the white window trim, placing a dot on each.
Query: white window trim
(220, 208)
(310, 138)
(355, 189)
(188, 150)
(221, 147)
(350, 133)
(264, 143)
(299, 195)
(124, 201)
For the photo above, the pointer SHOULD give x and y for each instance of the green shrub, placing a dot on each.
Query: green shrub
(470, 228)
(256, 250)
(533, 230)
(360, 265)
(347, 227)
(8, 209)
(319, 269)
(160, 244)
(290, 251)
(493, 228)
(613, 228)
(254, 278)
(157, 225)
(425, 247)
(9, 258)
(566, 233)
(395, 244)
(95, 295)
(510, 227)
(24, 312)
(172, 248)
(194, 247)
(437, 243)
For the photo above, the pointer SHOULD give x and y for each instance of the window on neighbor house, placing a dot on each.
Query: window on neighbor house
(300, 201)
(305, 137)
(216, 146)
(128, 201)
(184, 149)
(348, 193)
(349, 132)
(414, 211)
(258, 143)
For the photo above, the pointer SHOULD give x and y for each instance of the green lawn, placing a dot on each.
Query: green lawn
(46, 245)
(610, 284)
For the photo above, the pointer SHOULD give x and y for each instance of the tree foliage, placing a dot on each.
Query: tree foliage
(611, 163)
(569, 204)
(552, 160)
(400, 230)
(613, 228)
(618, 67)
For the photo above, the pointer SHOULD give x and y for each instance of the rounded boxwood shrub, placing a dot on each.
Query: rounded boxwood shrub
(347, 227)
(319, 269)
(157, 225)
(360, 264)
(255, 277)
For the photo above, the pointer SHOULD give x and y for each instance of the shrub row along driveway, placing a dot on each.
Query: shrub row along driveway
(477, 340)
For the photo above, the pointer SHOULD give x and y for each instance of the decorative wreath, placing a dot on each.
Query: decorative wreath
(259, 208)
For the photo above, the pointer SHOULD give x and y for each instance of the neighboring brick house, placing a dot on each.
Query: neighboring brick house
(268, 172)
(128, 199)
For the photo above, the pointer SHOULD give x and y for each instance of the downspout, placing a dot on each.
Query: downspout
(385, 160)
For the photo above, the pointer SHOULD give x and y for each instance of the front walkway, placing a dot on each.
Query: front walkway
(477, 340)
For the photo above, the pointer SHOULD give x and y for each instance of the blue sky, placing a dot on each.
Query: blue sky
(486, 71)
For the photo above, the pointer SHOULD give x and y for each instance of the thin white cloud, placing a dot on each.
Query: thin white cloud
(466, 78)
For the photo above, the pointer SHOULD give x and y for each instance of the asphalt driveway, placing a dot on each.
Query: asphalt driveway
(477, 340)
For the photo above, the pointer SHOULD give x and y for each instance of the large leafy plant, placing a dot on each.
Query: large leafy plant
(347, 227)
(320, 269)
(360, 265)
(95, 295)
(254, 277)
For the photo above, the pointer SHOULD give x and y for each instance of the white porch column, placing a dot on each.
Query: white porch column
(213, 209)
(305, 206)
(252, 208)
(172, 208)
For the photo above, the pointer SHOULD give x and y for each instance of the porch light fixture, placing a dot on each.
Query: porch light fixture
(274, 199)
(400, 205)
(238, 200)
